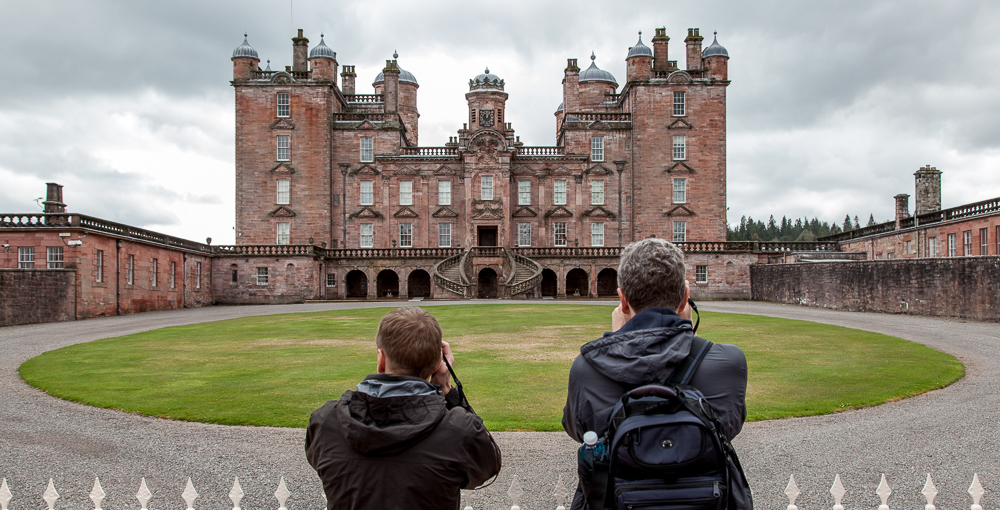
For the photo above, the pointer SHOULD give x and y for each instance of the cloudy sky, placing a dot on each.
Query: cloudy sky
(832, 107)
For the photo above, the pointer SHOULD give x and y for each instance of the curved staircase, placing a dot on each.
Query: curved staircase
(450, 274)
(525, 274)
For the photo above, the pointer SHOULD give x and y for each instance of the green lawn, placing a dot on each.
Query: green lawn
(513, 360)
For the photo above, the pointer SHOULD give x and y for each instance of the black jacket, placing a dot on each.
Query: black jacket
(397, 443)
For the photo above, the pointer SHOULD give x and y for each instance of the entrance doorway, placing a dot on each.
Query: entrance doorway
(487, 236)
(549, 283)
(357, 284)
(487, 284)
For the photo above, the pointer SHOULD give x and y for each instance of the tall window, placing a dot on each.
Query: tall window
(680, 231)
(524, 234)
(367, 192)
(597, 234)
(560, 192)
(284, 104)
(486, 187)
(284, 148)
(952, 242)
(984, 246)
(559, 228)
(680, 147)
(444, 235)
(130, 270)
(405, 235)
(701, 274)
(284, 232)
(967, 243)
(367, 235)
(597, 148)
(99, 260)
(597, 192)
(680, 191)
(156, 272)
(283, 191)
(444, 192)
(173, 274)
(54, 257)
(405, 192)
(197, 275)
(367, 150)
(261, 276)
(25, 257)
(932, 247)
(679, 110)
(523, 192)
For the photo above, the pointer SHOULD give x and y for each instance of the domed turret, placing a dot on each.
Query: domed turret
(321, 50)
(486, 81)
(593, 73)
(639, 62)
(560, 109)
(639, 50)
(716, 60)
(245, 61)
(323, 62)
(404, 75)
(245, 50)
(715, 49)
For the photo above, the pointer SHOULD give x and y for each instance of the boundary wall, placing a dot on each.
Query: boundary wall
(29, 296)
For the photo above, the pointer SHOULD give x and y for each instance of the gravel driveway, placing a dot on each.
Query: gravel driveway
(950, 433)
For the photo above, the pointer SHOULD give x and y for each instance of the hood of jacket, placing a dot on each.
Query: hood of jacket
(389, 413)
(645, 350)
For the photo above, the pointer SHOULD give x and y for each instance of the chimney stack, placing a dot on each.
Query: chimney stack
(53, 199)
(660, 41)
(693, 41)
(391, 91)
(300, 53)
(902, 208)
(347, 80)
(571, 87)
(928, 190)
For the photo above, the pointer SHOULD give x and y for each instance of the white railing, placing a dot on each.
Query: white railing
(883, 491)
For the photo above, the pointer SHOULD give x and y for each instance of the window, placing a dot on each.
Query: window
(680, 231)
(100, 265)
(155, 269)
(597, 148)
(197, 275)
(597, 234)
(680, 191)
(952, 242)
(444, 192)
(679, 104)
(909, 248)
(444, 235)
(284, 104)
(524, 234)
(54, 257)
(367, 150)
(597, 192)
(283, 233)
(932, 247)
(173, 273)
(486, 187)
(283, 192)
(984, 246)
(284, 148)
(367, 235)
(25, 257)
(331, 279)
(559, 228)
(130, 270)
(560, 192)
(523, 192)
(680, 147)
(405, 235)
(235, 279)
(967, 243)
(367, 193)
(700, 272)
(405, 192)
(261, 276)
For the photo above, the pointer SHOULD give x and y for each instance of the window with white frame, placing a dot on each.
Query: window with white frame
(405, 235)
(367, 149)
(597, 148)
(99, 260)
(523, 192)
(932, 247)
(25, 257)
(173, 275)
(444, 192)
(283, 233)
(597, 234)
(367, 235)
(679, 104)
(486, 187)
(559, 229)
(952, 245)
(680, 231)
(261, 276)
(367, 192)
(197, 275)
(967, 243)
(284, 104)
(559, 187)
(597, 192)
(155, 268)
(909, 248)
(54, 257)
(405, 192)
(680, 191)
(283, 197)
(680, 147)
(444, 235)
(130, 270)
(524, 234)
(701, 274)
(284, 148)
(984, 246)
(331, 279)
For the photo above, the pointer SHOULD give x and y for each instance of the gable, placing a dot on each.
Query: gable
(365, 212)
(283, 212)
(405, 212)
(599, 212)
(680, 167)
(680, 210)
(523, 170)
(558, 212)
(680, 124)
(598, 170)
(365, 125)
(405, 170)
(524, 212)
(488, 212)
(561, 171)
(282, 124)
(444, 170)
(283, 168)
(365, 170)
(444, 212)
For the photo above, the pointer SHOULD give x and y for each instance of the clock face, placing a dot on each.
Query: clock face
(486, 118)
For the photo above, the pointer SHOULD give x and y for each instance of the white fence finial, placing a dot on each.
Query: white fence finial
(792, 491)
(5, 495)
(189, 494)
(838, 492)
(929, 491)
(515, 492)
(50, 495)
(560, 494)
(236, 493)
(143, 495)
(97, 494)
(883, 492)
(976, 491)
(282, 494)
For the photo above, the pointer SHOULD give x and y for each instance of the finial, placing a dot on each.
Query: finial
(395, 54)
(321, 35)
(640, 33)
(244, 35)
(592, 56)
(487, 70)
(716, 33)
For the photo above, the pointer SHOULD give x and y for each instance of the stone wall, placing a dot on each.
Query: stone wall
(964, 287)
(289, 279)
(29, 296)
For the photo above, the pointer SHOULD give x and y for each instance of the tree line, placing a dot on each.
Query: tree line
(799, 229)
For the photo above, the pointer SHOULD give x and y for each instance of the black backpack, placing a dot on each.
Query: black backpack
(665, 450)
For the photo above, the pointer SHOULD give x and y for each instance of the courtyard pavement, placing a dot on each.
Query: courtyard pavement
(949, 433)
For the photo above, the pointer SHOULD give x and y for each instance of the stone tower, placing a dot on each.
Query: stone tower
(928, 190)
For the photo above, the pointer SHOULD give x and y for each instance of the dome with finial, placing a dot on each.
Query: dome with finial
(321, 50)
(560, 108)
(486, 81)
(404, 75)
(593, 73)
(639, 50)
(245, 50)
(268, 70)
(715, 49)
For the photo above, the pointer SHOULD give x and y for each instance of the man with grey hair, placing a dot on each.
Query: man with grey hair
(651, 336)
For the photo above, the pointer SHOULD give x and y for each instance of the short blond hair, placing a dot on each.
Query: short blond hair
(411, 340)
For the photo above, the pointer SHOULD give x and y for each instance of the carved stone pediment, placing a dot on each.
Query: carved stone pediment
(679, 210)
(282, 124)
(365, 170)
(680, 124)
(680, 167)
(365, 212)
(282, 77)
(444, 170)
(561, 171)
(444, 212)
(599, 212)
(406, 171)
(679, 77)
(598, 170)
(558, 212)
(523, 170)
(365, 125)
(283, 212)
(524, 212)
(283, 168)
(406, 212)
(487, 209)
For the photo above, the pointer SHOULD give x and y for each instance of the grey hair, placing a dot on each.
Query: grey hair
(651, 273)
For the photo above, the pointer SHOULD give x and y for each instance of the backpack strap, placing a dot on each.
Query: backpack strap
(685, 371)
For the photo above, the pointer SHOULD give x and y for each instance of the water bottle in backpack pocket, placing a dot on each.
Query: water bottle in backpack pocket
(592, 468)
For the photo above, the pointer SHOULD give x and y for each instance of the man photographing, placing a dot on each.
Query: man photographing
(405, 438)
(652, 335)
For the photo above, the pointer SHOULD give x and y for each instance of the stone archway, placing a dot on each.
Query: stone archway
(387, 284)
(550, 284)
(577, 283)
(607, 283)
(418, 284)
(356, 284)
(487, 284)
